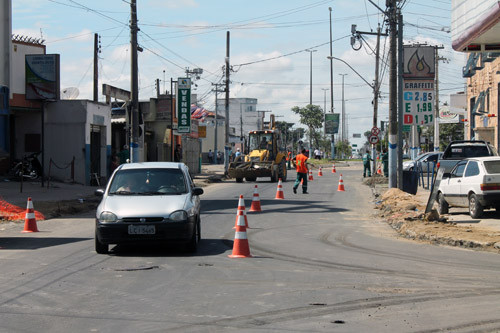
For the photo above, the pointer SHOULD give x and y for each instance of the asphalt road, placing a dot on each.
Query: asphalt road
(321, 263)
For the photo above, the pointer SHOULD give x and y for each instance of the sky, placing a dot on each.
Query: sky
(268, 43)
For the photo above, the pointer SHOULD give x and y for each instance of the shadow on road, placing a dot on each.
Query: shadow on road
(206, 247)
(32, 243)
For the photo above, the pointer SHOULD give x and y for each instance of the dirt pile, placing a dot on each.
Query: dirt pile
(406, 214)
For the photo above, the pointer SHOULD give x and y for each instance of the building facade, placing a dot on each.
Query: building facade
(483, 86)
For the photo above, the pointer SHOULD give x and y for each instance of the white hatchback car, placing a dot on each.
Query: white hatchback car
(148, 202)
(473, 183)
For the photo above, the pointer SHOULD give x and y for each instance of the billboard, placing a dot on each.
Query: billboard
(332, 123)
(418, 85)
(184, 105)
(42, 76)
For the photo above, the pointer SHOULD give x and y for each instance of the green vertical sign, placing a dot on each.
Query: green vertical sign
(183, 105)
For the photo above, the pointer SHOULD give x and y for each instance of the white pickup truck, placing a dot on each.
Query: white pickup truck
(458, 150)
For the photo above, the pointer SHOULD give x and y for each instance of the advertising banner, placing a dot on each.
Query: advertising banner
(184, 105)
(418, 85)
(42, 76)
(332, 123)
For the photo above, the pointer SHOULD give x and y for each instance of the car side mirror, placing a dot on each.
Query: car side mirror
(99, 192)
(446, 175)
(197, 191)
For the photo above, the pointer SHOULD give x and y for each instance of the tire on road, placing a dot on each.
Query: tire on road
(475, 208)
(443, 207)
(101, 248)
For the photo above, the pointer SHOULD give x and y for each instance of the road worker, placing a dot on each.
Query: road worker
(300, 163)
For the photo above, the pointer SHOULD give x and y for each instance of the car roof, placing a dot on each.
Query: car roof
(152, 165)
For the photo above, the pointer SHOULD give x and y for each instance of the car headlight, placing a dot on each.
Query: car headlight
(107, 217)
(179, 215)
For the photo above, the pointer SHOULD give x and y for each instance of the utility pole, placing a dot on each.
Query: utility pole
(324, 103)
(96, 69)
(332, 147)
(376, 93)
(227, 147)
(376, 84)
(311, 76)
(216, 121)
(400, 101)
(342, 137)
(436, 112)
(393, 110)
(134, 103)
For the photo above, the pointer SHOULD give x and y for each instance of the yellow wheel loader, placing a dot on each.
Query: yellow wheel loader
(265, 157)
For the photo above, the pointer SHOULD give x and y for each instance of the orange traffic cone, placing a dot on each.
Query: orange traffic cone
(255, 207)
(320, 172)
(341, 184)
(379, 170)
(279, 191)
(241, 208)
(30, 220)
(333, 169)
(310, 175)
(241, 249)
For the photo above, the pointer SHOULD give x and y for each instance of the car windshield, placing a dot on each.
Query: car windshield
(492, 166)
(468, 151)
(261, 141)
(148, 182)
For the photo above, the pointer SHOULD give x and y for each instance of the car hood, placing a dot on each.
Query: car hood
(408, 164)
(151, 205)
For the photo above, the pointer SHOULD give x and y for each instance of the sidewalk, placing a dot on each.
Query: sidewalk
(406, 214)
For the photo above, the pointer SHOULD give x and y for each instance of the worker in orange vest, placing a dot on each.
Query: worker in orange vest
(300, 163)
(288, 160)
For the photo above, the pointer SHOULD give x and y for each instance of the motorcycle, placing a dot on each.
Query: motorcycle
(29, 167)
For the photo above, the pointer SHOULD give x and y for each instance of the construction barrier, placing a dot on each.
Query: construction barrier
(11, 212)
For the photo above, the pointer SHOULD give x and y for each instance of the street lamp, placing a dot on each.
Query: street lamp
(343, 136)
(311, 76)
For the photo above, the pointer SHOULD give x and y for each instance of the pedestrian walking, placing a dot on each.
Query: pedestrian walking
(177, 153)
(300, 163)
(366, 164)
(210, 156)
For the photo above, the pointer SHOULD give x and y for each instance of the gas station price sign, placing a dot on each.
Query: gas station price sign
(418, 102)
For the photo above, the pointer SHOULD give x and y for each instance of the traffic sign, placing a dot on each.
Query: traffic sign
(373, 139)
(375, 131)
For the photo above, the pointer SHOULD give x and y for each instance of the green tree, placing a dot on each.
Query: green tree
(312, 117)
(285, 130)
(343, 148)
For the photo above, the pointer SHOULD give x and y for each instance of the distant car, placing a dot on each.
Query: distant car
(473, 183)
(425, 161)
(148, 202)
(406, 157)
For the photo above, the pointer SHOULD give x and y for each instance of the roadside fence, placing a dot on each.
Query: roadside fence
(66, 166)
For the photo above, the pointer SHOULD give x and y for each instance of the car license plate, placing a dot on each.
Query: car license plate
(141, 230)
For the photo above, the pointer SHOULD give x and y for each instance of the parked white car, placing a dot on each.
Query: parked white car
(473, 183)
(423, 161)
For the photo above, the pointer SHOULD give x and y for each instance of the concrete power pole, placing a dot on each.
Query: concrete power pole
(134, 103)
(436, 113)
(227, 146)
(332, 146)
(393, 90)
(96, 68)
(375, 95)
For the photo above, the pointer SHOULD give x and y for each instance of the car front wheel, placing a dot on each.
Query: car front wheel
(475, 208)
(192, 246)
(443, 206)
(101, 248)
